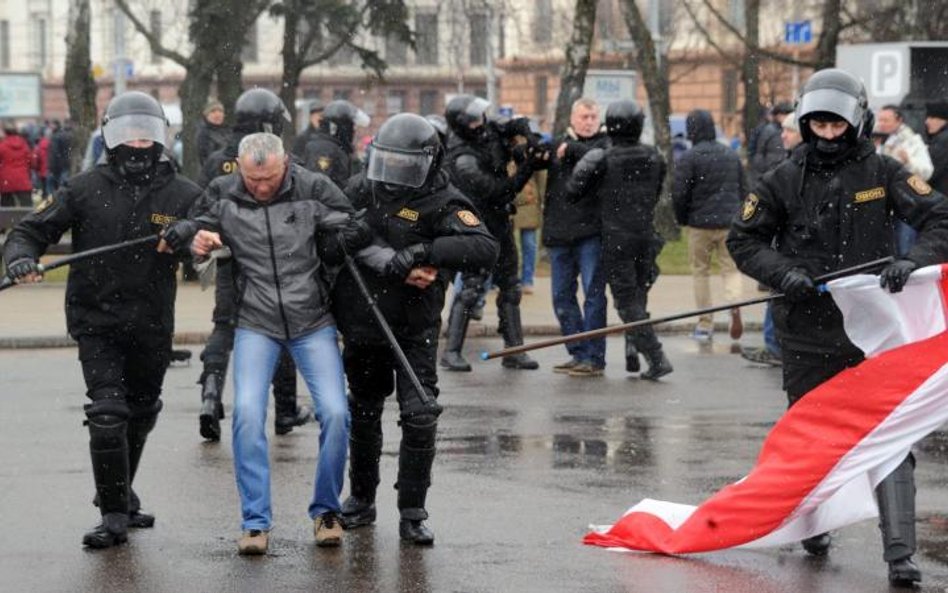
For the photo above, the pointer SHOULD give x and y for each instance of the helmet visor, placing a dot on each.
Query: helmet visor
(399, 167)
(134, 126)
(833, 101)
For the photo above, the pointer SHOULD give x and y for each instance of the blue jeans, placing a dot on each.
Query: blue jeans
(528, 255)
(255, 360)
(584, 260)
(770, 333)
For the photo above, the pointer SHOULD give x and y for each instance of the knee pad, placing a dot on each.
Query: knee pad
(418, 432)
(107, 432)
(509, 296)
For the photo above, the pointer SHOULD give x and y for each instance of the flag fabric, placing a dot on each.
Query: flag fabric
(820, 463)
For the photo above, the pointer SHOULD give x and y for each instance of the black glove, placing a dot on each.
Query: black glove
(22, 268)
(796, 285)
(895, 275)
(179, 234)
(519, 153)
(357, 233)
(407, 258)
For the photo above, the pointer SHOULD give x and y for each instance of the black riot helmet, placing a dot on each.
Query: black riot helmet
(624, 119)
(340, 119)
(260, 110)
(406, 152)
(464, 110)
(833, 93)
(131, 118)
(440, 125)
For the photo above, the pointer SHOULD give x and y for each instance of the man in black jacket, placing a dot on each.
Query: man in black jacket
(936, 124)
(212, 135)
(476, 162)
(572, 236)
(769, 151)
(329, 150)
(119, 306)
(431, 232)
(833, 205)
(315, 115)
(626, 181)
(709, 183)
(256, 110)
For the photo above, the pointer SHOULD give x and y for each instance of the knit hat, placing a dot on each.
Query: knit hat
(213, 105)
(937, 109)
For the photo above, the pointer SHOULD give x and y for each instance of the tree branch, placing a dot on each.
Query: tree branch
(152, 40)
(707, 36)
(764, 52)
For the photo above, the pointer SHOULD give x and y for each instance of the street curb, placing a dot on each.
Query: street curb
(479, 330)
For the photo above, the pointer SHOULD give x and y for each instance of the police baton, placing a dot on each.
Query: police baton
(615, 329)
(7, 282)
(429, 404)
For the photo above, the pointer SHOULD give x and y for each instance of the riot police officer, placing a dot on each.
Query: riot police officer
(428, 231)
(329, 150)
(478, 155)
(256, 110)
(626, 179)
(119, 306)
(831, 205)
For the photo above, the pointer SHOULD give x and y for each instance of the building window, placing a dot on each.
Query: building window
(395, 102)
(251, 47)
(154, 21)
(729, 94)
(542, 89)
(543, 21)
(428, 102)
(5, 45)
(479, 39)
(39, 40)
(341, 94)
(396, 51)
(426, 39)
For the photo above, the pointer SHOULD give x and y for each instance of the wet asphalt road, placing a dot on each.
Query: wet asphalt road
(526, 461)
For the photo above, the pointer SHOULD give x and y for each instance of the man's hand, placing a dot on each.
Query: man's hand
(25, 271)
(422, 276)
(205, 242)
(176, 236)
(407, 258)
(797, 286)
(895, 275)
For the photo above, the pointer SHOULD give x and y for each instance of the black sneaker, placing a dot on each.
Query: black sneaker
(357, 513)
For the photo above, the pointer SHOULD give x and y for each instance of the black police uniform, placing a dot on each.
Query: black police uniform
(120, 309)
(817, 213)
(438, 215)
(626, 180)
(478, 168)
(328, 155)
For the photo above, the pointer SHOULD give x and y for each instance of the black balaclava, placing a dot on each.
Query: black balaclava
(137, 165)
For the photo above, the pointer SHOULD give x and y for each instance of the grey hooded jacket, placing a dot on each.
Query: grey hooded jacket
(279, 248)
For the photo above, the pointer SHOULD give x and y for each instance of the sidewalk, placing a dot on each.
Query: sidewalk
(33, 316)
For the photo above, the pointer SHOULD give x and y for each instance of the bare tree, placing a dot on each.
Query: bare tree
(573, 76)
(80, 86)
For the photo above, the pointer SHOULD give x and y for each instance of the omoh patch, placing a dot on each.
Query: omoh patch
(919, 185)
(323, 162)
(468, 218)
(750, 206)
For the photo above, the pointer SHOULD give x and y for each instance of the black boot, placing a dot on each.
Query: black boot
(458, 321)
(512, 332)
(112, 531)
(896, 498)
(357, 513)
(365, 449)
(414, 531)
(139, 427)
(414, 479)
(658, 364)
(289, 414)
(212, 408)
(818, 545)
(632, 364)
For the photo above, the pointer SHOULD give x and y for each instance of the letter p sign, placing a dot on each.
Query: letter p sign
(886, 78)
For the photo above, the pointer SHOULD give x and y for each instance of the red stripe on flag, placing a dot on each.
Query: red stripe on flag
(944, 291)
(801, 449)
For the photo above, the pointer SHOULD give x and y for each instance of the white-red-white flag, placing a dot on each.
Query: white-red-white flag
(819, 465)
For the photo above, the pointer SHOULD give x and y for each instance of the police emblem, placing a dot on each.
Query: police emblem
(323, 163)
(750, 207)
(919, 185)
(46, 203)
(468, 218)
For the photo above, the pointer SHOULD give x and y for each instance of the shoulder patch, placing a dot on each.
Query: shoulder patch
(46, 203)
(919, 185)
(407, 214)
(323, 163)
(468, 218)
(876, 193)
(750, 206)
